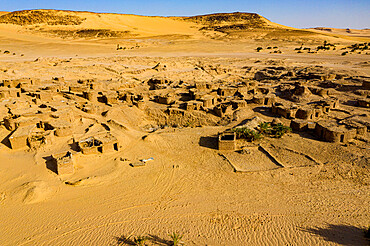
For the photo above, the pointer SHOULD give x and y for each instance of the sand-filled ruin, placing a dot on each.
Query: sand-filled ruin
(228, 129)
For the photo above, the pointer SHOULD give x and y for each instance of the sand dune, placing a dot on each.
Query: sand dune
(66, 33)
(67, 22)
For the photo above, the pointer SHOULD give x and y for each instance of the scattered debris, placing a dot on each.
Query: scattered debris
(137, 164)
(146, 160)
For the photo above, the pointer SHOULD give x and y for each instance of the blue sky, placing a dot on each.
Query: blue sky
(296, 13)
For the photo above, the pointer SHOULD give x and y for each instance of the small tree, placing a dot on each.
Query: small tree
(264, 128)
(279, 130)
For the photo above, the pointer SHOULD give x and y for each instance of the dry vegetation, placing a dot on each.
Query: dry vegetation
(90, 33)
(254, 20)
(230, 22)
(32, 17)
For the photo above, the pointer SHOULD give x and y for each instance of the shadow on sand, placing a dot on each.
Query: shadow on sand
(340, 234)
(6, 141)
(264, 110)
(208, 142)
(51, 164)
(126, 240)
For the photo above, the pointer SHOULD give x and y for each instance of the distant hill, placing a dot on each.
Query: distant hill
(251, 19)
(32, 17)
(227, 22)
(73, 24)
(352, 33)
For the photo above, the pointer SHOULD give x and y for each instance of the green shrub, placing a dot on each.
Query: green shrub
(245, 133)
(264, 129)
(140, 240)
(176, 238)
(279, 130)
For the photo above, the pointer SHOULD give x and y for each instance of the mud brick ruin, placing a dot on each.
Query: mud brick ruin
(40, 113)
(227, 141)
(63, 163)
(98, 144)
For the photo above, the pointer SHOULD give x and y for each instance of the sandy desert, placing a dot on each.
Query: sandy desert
(225, 129)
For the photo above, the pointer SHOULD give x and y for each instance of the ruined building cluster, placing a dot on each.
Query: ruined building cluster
(37, 112)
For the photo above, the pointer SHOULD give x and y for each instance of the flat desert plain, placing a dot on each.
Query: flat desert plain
(226, 129)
